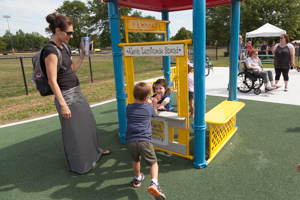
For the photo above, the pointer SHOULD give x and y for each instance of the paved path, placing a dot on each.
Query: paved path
(217, 81)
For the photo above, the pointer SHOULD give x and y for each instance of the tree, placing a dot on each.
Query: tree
(7, 39)
(183, 34)
(24, 41)
(20, 40)
(2, 45)
(99, 22)
(218, 25)
(79, 14)
(284, 14)
(254, 14)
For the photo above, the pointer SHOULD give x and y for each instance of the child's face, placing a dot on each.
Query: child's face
(159, 89)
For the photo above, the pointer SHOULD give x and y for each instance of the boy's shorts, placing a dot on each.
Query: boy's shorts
(143, 149)
(191, 95)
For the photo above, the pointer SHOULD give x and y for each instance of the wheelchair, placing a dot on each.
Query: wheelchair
(249, 80)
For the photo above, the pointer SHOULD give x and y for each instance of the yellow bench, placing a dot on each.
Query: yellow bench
(222, 125)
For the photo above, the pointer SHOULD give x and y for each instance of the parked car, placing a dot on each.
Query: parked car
(74, 52)
(97, 50)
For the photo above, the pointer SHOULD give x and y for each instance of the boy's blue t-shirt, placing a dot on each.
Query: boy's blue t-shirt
(161, 100)
(139, 122)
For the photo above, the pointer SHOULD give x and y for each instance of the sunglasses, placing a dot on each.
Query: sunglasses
(69, 33)
(281, 37)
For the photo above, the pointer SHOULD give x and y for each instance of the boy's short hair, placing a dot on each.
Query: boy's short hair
(141, 90)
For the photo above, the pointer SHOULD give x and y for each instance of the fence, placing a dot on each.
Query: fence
(15, 75)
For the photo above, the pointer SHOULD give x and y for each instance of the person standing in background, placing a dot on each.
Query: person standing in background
(249, 48)
(284, 59)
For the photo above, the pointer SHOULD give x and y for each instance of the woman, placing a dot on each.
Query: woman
(79, 131)
(253, 62)
(284, 58)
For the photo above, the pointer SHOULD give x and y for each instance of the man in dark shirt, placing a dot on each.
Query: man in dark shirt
(265, 48)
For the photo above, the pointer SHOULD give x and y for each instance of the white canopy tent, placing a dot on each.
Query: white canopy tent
(267, 30)
(298, 41)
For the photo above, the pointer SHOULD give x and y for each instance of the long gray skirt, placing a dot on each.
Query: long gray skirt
(79, 134)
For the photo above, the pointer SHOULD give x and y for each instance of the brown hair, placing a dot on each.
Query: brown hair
(162, 82)
(141, 90)
(287, 37)
(190, 68)
(58, 21)
(252, 52)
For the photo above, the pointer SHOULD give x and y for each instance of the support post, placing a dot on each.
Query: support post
(24, 77)
(91, 71)
(199, 37)
(166, 59)
(118, 66)
(234, 48)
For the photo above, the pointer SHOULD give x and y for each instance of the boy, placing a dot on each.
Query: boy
(138, 137)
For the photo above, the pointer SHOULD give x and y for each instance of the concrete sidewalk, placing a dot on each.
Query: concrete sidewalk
(217, 81)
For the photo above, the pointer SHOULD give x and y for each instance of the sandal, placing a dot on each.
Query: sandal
(106, 152)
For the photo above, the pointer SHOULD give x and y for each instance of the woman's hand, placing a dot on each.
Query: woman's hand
(65, 111)
(293, 65)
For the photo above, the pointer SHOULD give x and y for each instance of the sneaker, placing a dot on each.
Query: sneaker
(137, 183)
(286, 89)
(268, 88)
(275, 86)
(155, 191)
(191, 116)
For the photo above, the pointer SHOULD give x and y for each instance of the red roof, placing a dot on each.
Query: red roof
(171, 5)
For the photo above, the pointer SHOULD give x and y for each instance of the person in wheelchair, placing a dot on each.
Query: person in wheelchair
(253, 63)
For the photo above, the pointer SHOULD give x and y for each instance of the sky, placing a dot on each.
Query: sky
(31, 17)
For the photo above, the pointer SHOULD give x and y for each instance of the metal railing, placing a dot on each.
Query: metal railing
(15, 75)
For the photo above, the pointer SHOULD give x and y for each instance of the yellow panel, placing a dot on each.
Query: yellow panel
(134, 24)
(171, 133)
(129, 72)
(223, 112)
(185, 156)
(219, 135)
(182, 87)
(174, 78)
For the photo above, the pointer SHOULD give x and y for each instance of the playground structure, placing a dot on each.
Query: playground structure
(222, 118)
(164, 123)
